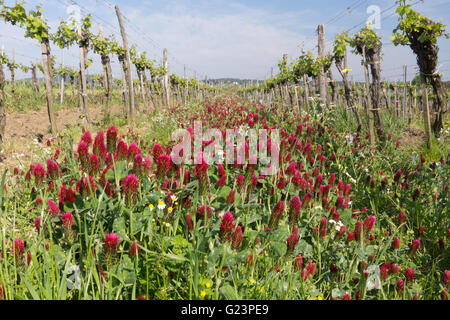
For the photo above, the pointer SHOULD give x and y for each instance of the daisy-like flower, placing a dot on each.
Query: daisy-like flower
(337, 225)
(161, 205)
(151, 206)
(170, 209)
(174, 198)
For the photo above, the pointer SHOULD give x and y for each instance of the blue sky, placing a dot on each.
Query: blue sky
(223, 38)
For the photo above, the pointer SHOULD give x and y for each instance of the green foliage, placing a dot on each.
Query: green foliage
(340, 45)
(367, 38)
(35, 25)
(413, 25)
(69, 33)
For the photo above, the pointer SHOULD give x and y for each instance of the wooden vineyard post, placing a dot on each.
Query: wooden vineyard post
(83, 59)
(368, 100)
(129, 77)
(185, 94)
(45, 47)
(166, 78)
(322, 77)
(2, 104)
(108, 79)
(404, 92)
(125, 88)
(396, 105)
(13, 72)
(305, 82)
(426, 111)
(296, 98)
(34, 78)
(389, 94)
(63, 78)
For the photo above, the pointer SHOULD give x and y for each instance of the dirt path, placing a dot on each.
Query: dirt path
(26, 134)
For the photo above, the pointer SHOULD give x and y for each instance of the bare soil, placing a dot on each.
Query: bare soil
(26, 134)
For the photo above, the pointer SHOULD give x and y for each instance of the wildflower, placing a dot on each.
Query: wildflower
(346, 297)
(368, 224)
(110, 247)
(297, 180)
(409, 275)
(161, 205)
(122, 151)
(87, 138)
(201, 171)
(221, 170)
(94, 164)
(350, 236)
(401, 218)
(306, 200)
(400, 286)
(396, 243)
(164, 164)
(446, 277)
(358, 230)
(290, 171)
(298, 263)
(340, 233)
(236, 238)
(99, 147)
(443, 294)
(230, 197)
(37, 224)
(226, 227)
(156, 152)
(133, 150)
(276, 215)
(294, 210)
(415, 245)
(18, 250)
(138, 165)
(67, 220)
(201, 212)
(340, 202)
(83, 155)
(53, 208)
(134, 249)
(148, 165)
(203, 294)
(39, 174)
(129, 185)
(420, 231)
(292, 241)
(383, 273)
(52, 169)
(395, 268)
(111, 139)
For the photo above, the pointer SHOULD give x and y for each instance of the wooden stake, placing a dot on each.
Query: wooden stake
(322, 76)
(426, 112)
(128, 75)
(45, 48)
